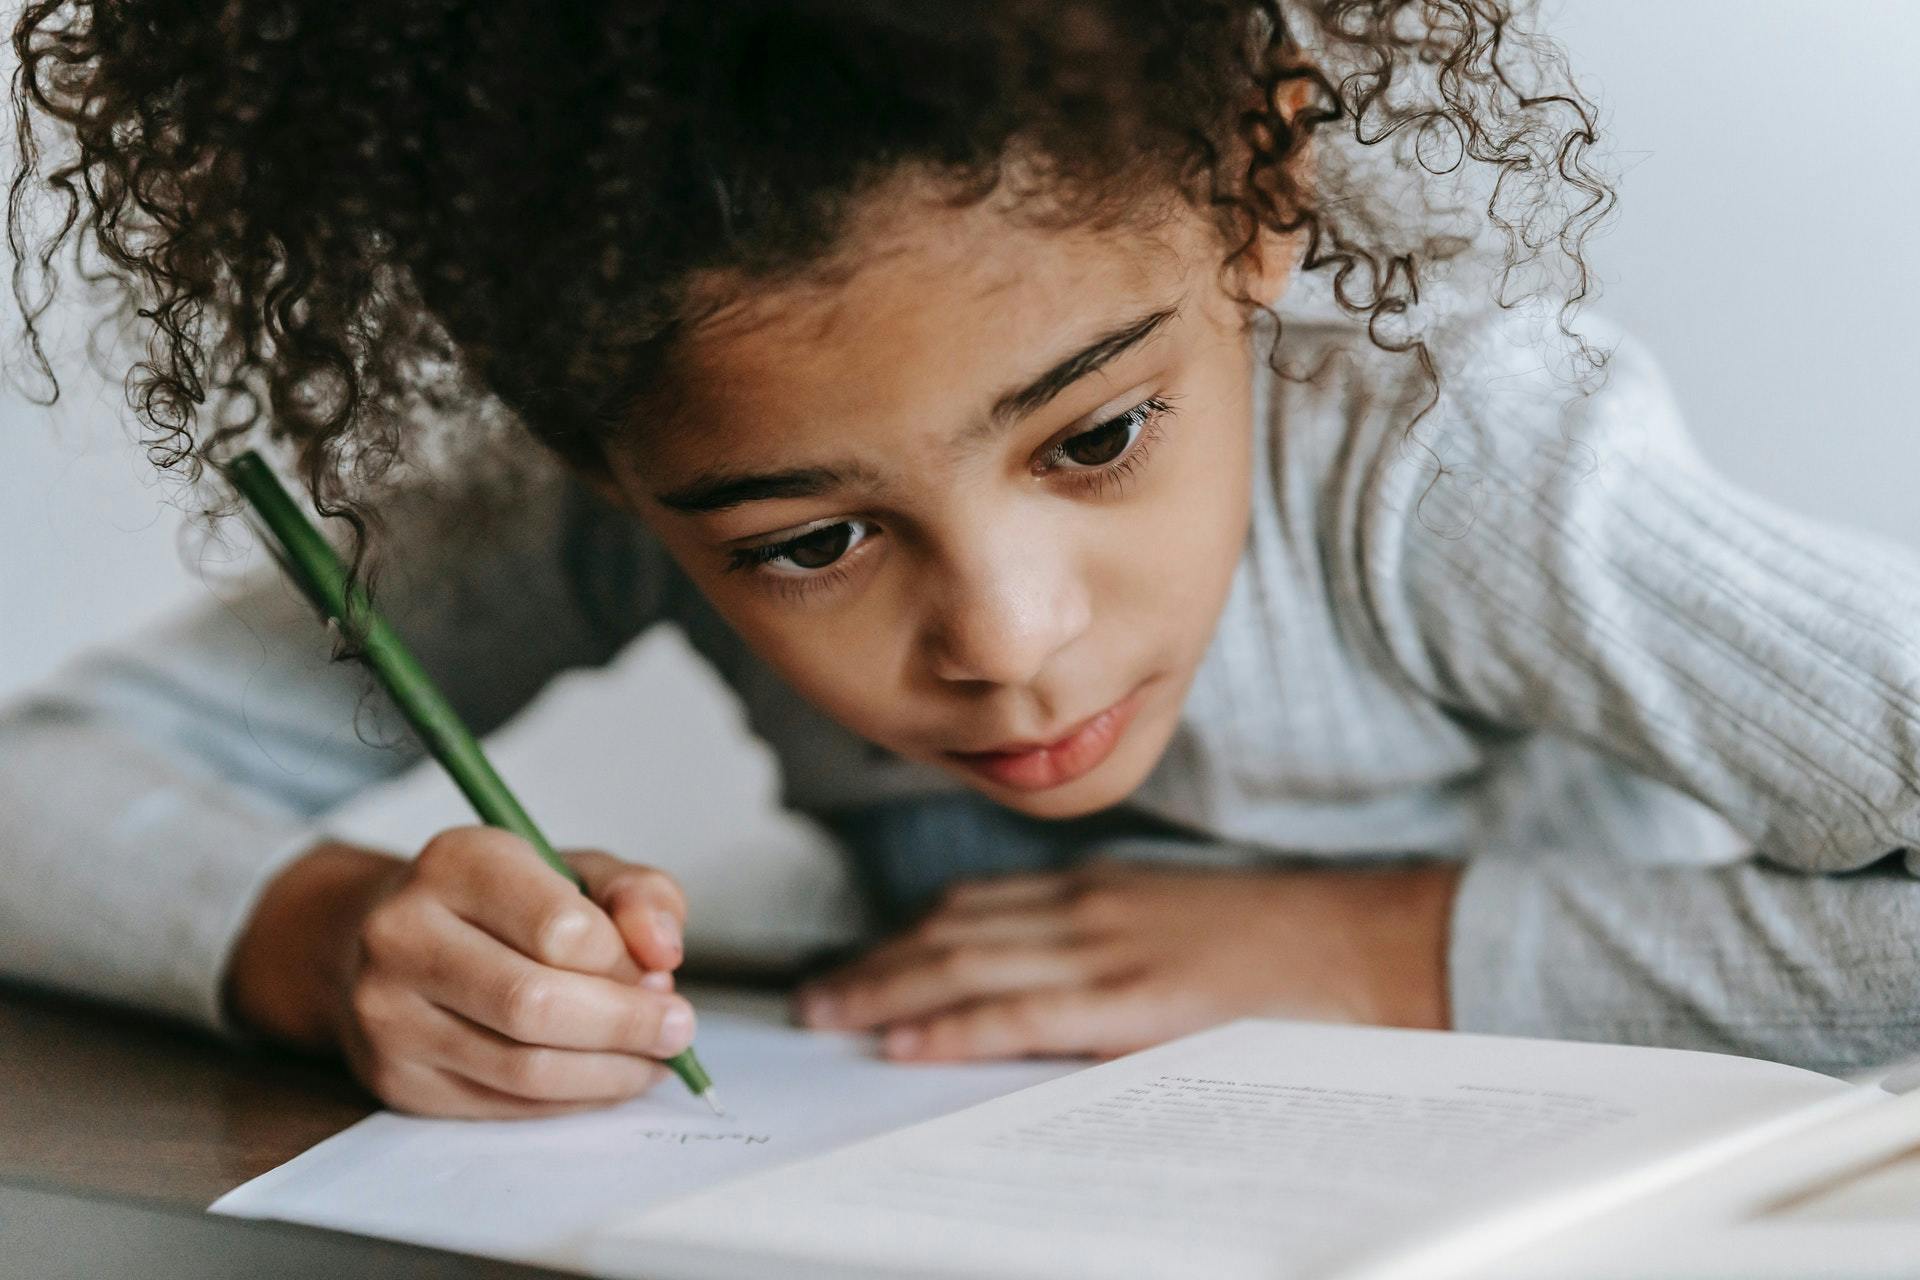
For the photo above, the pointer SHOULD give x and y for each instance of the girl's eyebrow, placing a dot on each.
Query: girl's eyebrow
(721, 491)
(1017, 404)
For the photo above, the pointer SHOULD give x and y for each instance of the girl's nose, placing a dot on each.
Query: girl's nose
(1001, 622)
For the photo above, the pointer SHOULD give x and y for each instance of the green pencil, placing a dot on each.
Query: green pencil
(310, 560)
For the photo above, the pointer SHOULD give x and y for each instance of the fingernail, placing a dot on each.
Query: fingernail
(818, 1009)
(676, 1031)
(666, 929)
(657, 980)
(901, 1042)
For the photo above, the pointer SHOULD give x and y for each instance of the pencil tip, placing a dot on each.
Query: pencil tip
(712, 1101)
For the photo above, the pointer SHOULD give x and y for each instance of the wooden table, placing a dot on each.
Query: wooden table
(99, 1099)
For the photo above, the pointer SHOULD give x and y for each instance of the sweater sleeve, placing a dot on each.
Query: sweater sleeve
(1540, 564)
(153, 787)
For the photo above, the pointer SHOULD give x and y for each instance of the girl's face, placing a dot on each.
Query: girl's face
(979, 499)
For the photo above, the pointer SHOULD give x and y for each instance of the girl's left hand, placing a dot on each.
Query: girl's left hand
(1114, 957)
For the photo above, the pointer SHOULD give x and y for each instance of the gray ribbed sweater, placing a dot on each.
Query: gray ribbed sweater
(1658, 717)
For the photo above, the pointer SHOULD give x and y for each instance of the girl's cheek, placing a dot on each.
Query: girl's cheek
(848, 660)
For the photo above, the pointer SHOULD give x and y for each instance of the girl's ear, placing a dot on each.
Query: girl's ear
(600, 480)
(1273, 259)
(602, 486)
(1270, 265)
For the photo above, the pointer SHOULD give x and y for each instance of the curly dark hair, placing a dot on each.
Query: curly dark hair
(325, 215)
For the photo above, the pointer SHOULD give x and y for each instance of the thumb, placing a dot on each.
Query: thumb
(646, 906)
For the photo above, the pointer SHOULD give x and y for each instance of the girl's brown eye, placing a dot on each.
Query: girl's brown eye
(1101, 445)
(805, 553)
(820, 548)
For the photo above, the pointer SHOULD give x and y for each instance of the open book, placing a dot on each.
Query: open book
(1276, 1149)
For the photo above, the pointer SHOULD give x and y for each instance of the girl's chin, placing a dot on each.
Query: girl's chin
(1057, 804)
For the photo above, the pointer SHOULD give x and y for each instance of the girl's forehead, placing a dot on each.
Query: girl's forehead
(935, 312)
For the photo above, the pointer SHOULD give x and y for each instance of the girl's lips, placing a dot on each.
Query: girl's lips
(1077, 753)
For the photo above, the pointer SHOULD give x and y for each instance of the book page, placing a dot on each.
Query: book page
(525, 1190)
(1261, 1148)
(1791, 1202)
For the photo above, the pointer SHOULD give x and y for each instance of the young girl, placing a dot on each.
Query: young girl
(1166, 640)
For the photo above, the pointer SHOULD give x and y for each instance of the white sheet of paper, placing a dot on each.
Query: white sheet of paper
(527, 1190)
(1259, 1149)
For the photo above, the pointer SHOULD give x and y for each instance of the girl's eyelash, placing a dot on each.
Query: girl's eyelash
(1097, 481)
(791, 586)
(743, 558)
(799, 588)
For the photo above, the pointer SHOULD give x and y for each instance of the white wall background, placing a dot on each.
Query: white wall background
(1766, 248)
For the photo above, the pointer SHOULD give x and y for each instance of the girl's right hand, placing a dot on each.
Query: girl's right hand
(473, 980)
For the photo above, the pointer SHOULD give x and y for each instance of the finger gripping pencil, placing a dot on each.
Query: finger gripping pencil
(313, 565)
